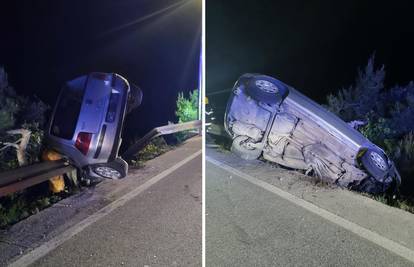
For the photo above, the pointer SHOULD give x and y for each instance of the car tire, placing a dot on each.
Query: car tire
(134, 98)
(375, 163)
(266, 89)
(370, 185)
(116, 169)
(239, 148)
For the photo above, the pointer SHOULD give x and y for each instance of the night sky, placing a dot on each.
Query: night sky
(315, 46)
(45, 43)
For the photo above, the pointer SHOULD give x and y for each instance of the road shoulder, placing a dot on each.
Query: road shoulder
(391, 223)
(38, 229)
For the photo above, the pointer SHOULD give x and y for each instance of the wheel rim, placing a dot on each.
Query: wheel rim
(267, 86)
(108, 172)
(245, 143)
(378, 161)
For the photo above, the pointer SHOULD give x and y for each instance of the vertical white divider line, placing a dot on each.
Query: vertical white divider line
(203, 131)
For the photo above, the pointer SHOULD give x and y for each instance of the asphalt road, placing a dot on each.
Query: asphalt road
(159, 227)
(247, 225)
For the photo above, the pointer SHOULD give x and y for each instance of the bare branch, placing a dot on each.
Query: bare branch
(16, 146)
(22, 146)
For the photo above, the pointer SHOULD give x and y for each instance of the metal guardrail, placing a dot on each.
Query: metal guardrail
(158, 131)
(21, 178)
(228, 90)
(24, 177)
(215, 129)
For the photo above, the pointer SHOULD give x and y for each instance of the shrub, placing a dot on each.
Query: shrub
(18, 206)
(21, 116)
(156, 147)
(378, 131)
(404, 153)
(9, 103)
(187, 108)
(35, 146)
(33, 111)
(17, 112)
(361, 98)
(388, 115)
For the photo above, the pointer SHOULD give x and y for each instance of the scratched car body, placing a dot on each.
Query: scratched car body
(87, 122)
(266, 117)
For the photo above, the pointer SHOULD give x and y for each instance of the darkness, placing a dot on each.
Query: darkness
(315, 46)
(45, 43)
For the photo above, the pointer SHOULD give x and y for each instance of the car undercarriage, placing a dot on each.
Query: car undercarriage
(297, 133)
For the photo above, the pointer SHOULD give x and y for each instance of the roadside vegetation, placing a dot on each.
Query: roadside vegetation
(156, 147)
(186, 110)
(21, 126)
(21, 205)
(385, 115)
(22, 122)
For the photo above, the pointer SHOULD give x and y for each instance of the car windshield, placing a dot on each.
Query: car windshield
(67, 110)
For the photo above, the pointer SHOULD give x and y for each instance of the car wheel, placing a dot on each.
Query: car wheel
(266, 89)
(375, 163)
(134, 98)
(116, 169)
(373, 186)
(244, 149)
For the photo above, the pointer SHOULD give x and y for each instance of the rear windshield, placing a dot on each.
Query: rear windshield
(67, 111)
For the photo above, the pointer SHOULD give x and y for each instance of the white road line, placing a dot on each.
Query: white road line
(45, 248)
(369, 235)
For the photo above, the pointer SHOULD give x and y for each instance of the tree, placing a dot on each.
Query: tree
(361, 98)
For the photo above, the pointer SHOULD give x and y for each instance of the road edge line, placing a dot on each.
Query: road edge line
(52, 244)
(367, 234)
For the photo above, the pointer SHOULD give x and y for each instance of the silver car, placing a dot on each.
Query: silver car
(87, 122)
(266, 117)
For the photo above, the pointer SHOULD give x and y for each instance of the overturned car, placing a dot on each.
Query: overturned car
(266, 117)
(87, 121)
